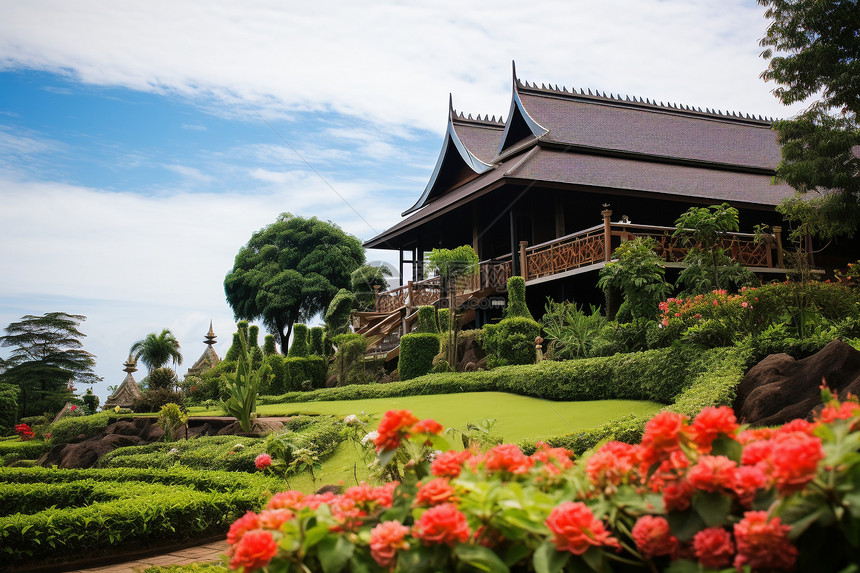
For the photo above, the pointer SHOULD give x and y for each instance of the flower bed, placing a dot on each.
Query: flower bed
(65, 514)
(696, 495)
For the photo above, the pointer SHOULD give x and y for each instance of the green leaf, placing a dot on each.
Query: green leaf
(334, 552)
(386, 457)
(712, 507)
(685, 524)
(480, 558)
(547, 559)
(516, 553)
(314, 535)
(725, 446)
(594, 558)
(683, 566)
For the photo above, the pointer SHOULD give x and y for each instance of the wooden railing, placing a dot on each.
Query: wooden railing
(578, 250)
(493, 273)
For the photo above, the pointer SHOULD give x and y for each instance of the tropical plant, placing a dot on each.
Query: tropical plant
(709, 267)
(156, 350)
(571, 332)
(170, 419)
(46, 360)
(243, 387)
(289, 272)
(453, 266)
(365, 281)
(637, 272)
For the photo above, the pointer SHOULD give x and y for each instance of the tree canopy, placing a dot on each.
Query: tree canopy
(155, 351)
(47, 360)
(813, 53)
(362, 282)
(289, 271)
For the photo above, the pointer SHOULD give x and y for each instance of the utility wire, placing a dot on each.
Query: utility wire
(318, 174)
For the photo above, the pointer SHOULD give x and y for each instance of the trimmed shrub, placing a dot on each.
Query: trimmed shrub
(8, 408)
(444, 316)
(512, 341)
(348, 363)
(295, 374)
(299, 346)
(337, 316)
(15, 451)
(69, 428)
(129, 508)
(221, 453)
(152, 400)
(317, 341)
(269, 346)
(416, 354)
(517, 307)
(426, 320)
(235, 349)
(161, 378)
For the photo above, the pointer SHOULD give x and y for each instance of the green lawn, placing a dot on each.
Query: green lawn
(517, 417)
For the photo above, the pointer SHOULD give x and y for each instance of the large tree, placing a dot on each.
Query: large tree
(289, 271)
(156, 350)
(813, 48)
(47, 359)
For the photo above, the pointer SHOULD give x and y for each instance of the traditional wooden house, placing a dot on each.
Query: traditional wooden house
(549, 192)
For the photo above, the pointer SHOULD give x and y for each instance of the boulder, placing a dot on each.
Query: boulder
(779, 388)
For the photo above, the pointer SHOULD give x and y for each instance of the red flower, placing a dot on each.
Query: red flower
(449, 464)
(653, 536)
(712, 473)
(711, 423)
(73, 407)
(443, 524)
(385, 539)
(427, 426)
(576, 529)
(763, 544)
(25, 432)
(291, 499)
(241, 526)
(677, 495)
(843, 411)
(393, 427)
(794, 461)
(434, 492)
(553, 459)
(663, 432)
(611, 464)
(713, 547)
(263, 461)
(746, 483)
(507, 458)
(274, 518)
(254, 550)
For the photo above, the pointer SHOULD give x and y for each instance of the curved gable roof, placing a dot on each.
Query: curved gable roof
(520, 124)
(456, 163)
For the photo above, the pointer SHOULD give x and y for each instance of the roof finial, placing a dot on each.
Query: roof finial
(210, 336)
(514, 72)
(130, 364)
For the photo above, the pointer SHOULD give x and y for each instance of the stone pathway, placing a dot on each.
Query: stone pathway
(207, 553)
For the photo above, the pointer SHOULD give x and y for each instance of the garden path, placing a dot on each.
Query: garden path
(206, 553)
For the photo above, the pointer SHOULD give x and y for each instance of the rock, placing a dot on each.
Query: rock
(779, 388)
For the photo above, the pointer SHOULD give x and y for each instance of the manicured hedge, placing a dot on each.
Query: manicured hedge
(225, 453)
(416, 354)
(714, 377)
(12, 451)
(70, 427)
(113, 508)
(512, 341)
(652, 375)
(294, 374)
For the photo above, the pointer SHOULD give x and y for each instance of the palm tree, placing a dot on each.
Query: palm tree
(156, 351)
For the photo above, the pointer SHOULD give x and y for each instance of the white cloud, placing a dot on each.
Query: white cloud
(392, 63)
(189, 173)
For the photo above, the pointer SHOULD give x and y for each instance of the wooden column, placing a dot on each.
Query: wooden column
(475, 235)
(559, 217)
(410, 295)
(777, 233)
(607, 234)
(376, 294)
(524, 263)
(515, 263)
(400, 278)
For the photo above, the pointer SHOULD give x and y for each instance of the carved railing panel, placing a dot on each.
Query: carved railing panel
(568, 254)
(391, 300)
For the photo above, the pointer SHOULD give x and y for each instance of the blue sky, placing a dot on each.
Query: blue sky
(136, 153)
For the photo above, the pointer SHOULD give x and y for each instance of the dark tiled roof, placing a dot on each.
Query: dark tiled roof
(601, 123)
(649, 177)
(481, 138)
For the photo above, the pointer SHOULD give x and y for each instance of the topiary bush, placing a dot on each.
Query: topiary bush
(511, 341)
(299, 346)
(348, 364)
(416, 354)
(337, 316)
(517, 307)
(317, 342)
(269, 346)
(426, 320)
(444, 316)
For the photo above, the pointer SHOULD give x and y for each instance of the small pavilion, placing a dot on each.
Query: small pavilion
(128, 392)
(209, 358)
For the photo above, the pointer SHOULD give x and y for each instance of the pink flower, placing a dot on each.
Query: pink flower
(254, 550)
(713, 547)
(385, 539)
(763, 544)
(442, 525)
(449, 464)
(263, 461)
(576, 529)
(653, 536)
